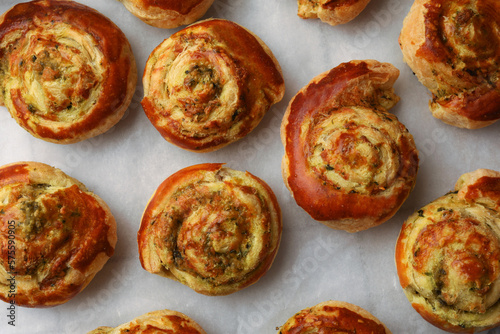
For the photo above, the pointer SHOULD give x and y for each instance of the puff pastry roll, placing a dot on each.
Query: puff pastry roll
(448, 256)
(55, 235)
(333, 317)
(333, 12)
(164, 321)
(67, 73)
(214, 229)
(453, 47)
(348, 162)
(210, 84)
(168, 13)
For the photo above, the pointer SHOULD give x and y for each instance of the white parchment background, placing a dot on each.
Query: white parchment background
(314, 263)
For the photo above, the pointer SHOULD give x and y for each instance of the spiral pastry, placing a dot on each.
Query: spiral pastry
(448, 256)
(454, 49)
(164, 321)
(211, 228)
(348, 162)
(67, 73)
(55, 235)
(333, 317)
(168, 14)
(333, 12)
(210, 84)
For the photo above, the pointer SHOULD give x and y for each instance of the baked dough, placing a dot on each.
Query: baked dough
(164, 321)
(333, 317)
(453, 47)
(348, 162)
(67, 73)
(55, 235)
(211, 228)
(168, 13)
(210, 84)
(333, 12)
(448, 252)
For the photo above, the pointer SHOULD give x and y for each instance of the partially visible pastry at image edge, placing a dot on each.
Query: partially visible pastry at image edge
(55, 235)
(448, 256)
(210, 84)
(212, 228)
(67, 73)
(168, 14)
(332, 12)
(334, 317)
(453, 47)
(164, 321)
(348, 162)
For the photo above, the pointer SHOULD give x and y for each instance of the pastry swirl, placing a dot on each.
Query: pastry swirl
(164, 321)
(168, 13)
(348, 162)
(211, 228)
(210, 84)
(55, 235)
(334, 317)
(333, 12)
(67, 73)
(453, 47)
(448, 256)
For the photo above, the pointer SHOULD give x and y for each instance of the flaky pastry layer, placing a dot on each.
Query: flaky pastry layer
(453, 47)
(448, 256)
(210, 84)
(333, 317)
(348, 162)
(333, 12)
(164, 321)
(55, 235)
(67, 73)
(211, 228)
(168, 13)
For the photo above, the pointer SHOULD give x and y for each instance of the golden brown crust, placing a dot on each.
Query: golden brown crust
(164, 321)
(55, 235)
(453, 47)
(348, 162)
(334, 317)
(448, 256)
(168, 13)
(333, 12)
(210, 84)
(211, 228)
(67, 73)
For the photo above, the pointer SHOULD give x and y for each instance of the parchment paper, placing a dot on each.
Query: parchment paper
(314, 263)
